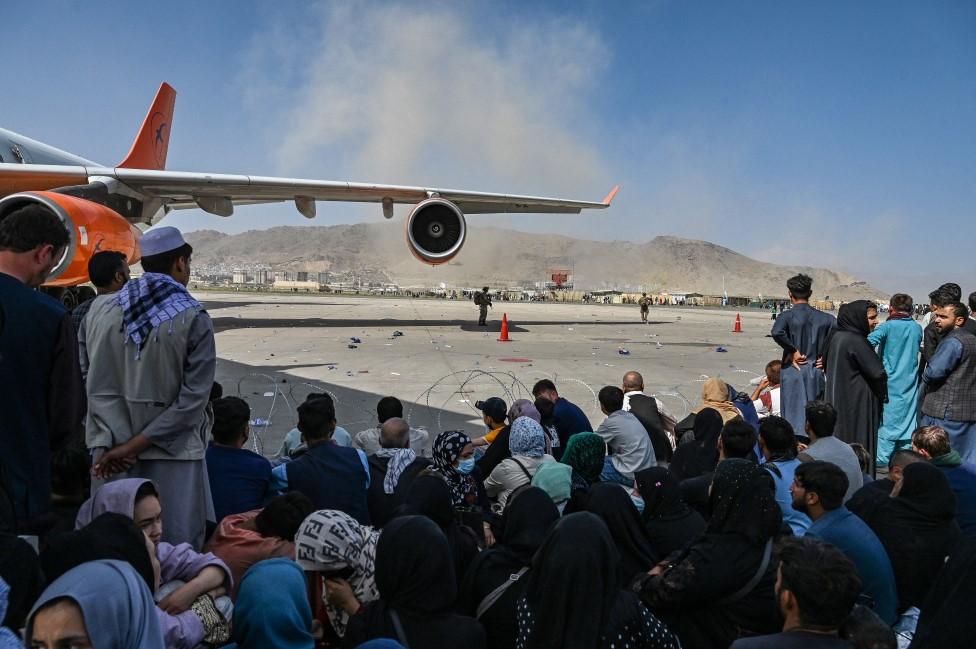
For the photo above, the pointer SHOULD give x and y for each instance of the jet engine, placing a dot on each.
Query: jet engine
(435, 231)
(92, 227)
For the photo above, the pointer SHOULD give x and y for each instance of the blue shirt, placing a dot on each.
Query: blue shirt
(570, 420)
(240, 480)
(798, 521)
(279, 474)
(854, 538)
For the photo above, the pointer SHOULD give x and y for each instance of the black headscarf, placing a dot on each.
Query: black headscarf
(415, 578)
(661, 493)
(670, 522)
(573, 584)
(430, 496)
(918, 529)
(743, 502)
(20, 568)
(700, 456)
(926, 496)
(414, 570)
(947, 621)
(852, 318)
(612, 503)
(109, 536)
(525, 523)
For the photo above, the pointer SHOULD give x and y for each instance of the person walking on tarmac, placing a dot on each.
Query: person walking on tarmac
(645, 305)
(483, 300)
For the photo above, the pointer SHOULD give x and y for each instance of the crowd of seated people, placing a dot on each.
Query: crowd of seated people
(746, 541)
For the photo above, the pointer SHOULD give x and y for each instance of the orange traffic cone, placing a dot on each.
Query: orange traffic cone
(504, 337)
(738, 324)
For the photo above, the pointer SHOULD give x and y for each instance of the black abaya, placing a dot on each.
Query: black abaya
(573, 599)
(525, 523)
(612, 503)
(415, 578)
(430, 496)
(670, 522)
(699, 455)
(689, 595)
(918, 530)
(20, 568)
(857, 384)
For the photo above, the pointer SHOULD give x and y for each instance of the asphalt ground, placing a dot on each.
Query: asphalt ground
(274, 349)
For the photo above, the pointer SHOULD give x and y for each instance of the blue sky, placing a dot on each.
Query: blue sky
(829, 133)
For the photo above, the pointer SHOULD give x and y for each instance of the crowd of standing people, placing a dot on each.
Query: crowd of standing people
(834, 506)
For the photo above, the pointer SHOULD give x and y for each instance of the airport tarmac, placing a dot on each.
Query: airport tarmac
(274, 349)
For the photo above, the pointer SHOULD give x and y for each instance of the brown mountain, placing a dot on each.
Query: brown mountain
(509, 258)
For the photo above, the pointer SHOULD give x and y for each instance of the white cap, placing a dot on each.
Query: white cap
(160, 240)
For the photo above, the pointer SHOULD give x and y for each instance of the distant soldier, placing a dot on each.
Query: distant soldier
(645, 305)
(483, 300)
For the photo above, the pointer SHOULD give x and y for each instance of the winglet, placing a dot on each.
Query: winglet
(611, 195)
(152, 142)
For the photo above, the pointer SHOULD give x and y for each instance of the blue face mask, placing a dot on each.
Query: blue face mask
(638, 502)
(465, 467)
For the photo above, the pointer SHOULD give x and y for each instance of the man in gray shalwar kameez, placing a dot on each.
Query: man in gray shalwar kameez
(149, 357)
(802, 333)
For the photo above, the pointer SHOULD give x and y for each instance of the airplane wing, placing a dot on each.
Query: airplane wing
(218, 193)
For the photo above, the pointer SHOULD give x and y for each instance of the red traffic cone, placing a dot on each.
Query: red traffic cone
(738, 324)
(504, 337)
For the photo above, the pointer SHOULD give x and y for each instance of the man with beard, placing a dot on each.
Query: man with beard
(43, 400)
(816, 589)
(818, 491)
(950, 377)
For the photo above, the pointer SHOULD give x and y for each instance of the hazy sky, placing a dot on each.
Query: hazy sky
(830, 133)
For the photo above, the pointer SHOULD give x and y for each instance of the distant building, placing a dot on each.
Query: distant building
(280, 275)
(302, 276)
(286, 285)
(263, 277)
(239, 277)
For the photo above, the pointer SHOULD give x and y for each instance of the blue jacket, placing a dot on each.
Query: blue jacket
(854, 538)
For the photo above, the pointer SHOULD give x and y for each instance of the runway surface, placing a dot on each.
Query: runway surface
(274, 349)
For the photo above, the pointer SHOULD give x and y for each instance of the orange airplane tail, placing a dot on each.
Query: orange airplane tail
(152, 142)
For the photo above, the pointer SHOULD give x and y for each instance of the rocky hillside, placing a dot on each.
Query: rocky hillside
(508, 258)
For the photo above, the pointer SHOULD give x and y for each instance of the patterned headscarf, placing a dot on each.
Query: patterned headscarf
(149, 301)
(330, 540)
(527, 439)
(400, 459)
(446, 449)
(586, 452)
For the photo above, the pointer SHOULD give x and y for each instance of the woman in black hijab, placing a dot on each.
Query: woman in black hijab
(947, 620)
(612, 503)
(574, 600)
(720, 586)
(918, 529)
(857, 384)
(418, 591)
(430, 496)
(669, 521)
(109, 536)
(700, 455)
(528, 516)
(20, 568)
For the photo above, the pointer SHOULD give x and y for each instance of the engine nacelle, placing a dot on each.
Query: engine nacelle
(435, 231)
(92, 227)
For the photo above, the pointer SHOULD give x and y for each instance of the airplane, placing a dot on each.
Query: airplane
(104, 208)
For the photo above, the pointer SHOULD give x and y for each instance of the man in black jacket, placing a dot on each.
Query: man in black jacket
(645, 409)
(391, 470)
